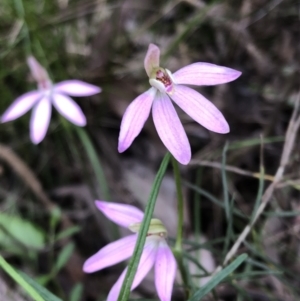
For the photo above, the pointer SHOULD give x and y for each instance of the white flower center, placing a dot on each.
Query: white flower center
(45, 87)
(156, 228)
(162, 80)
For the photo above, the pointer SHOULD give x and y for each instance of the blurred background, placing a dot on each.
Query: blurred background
(48, 222)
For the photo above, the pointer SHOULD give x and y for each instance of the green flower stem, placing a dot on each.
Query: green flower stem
(94, 160)
(183, 272)
(178, 244)
(137, 253)
(178, 251)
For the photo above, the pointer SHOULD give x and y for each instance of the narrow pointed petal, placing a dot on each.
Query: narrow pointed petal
(147, 260)
(165, 271)
(134, 118)
(145, 265)
(38, 72)
(200, 109)
(151, 60)
(111, 254)
(115, 290)
(122, 214)
(205, 74)
(170, 129)
(39, 121)
(20, 106)
(68, 108)
(76, 88)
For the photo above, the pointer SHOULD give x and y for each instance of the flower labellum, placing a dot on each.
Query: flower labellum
(156, 251)
(40, 100)
(166, 85)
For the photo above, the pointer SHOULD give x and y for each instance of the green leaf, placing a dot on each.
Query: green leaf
(76, 293)
(64, 256)
(43, 292)
(134, 261)
(36, 291)
(44, 279)
(215, 280)
(55, 215)
(22, 231)
(68, 232)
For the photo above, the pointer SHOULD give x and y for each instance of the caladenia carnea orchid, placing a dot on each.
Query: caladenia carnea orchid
(41, 101)
(166, 85)
(156, 251)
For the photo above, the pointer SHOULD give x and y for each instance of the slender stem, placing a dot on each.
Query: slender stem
(95, 161)
(178, 252)
(178, 243)
(137, 253)
(183, 272)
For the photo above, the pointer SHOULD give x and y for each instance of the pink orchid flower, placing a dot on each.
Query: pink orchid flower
(156, 251)
(46, 95)
(166, 85)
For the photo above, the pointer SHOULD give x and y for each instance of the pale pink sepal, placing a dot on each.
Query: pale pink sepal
(205, 74)
(165, 271)
(76, 88)
(39, 121)
(122, 214)
(111, 254)
(68, 108)
(145, 265)
(170, 129)
(151, 60)
(200, 109)
(134, 118)
(21, 106)
(38, 72)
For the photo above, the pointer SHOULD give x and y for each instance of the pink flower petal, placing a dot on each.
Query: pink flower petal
(145, 265)
(205, 74)
(151, 60)
(39, 121)
(200, 109)
(165, 271)
(76, 88)
(147, 260)
(134, 118)
(111, 254)
(115, 290)
(170, 129)
(20, 106)
(38, 72)
(122, 214)
(68, 108)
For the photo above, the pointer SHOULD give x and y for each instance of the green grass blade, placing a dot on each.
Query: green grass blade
(29, 285)
(95, 161)
(218, 278)
(133, 264)
(46, 295)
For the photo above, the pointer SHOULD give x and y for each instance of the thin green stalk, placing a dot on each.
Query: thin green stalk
(197, 214)
(19, 7)
(197, 206)
(178, 252)
(180, 207)
(137, 253)
(19, 279)
(224, 181)
(95, 161)
(261, 181)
